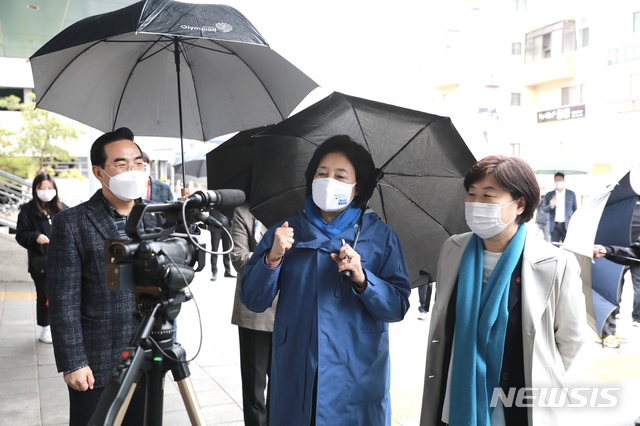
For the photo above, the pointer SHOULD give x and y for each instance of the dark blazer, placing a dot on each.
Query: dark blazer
(570, 206)
(90, 325)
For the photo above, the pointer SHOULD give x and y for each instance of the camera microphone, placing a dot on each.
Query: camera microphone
(220, 199)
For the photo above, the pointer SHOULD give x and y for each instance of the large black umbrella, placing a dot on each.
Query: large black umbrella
(421, 156)
(606, 220)
(167, 68)
(231, 162)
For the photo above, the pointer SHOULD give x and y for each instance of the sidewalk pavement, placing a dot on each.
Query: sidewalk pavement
(33, 393)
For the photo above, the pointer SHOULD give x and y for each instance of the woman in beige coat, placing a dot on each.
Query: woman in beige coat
(509, 309)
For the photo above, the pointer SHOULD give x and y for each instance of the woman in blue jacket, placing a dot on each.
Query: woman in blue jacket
(33, 229)
(330, 362)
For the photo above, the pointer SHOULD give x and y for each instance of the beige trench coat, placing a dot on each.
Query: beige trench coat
(553, 318)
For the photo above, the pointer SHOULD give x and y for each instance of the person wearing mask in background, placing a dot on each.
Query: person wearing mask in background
(33, 230)
(91, 324)
(560, 205)
(255, 330)
(331, 361)
(156, 189)
(509, 309)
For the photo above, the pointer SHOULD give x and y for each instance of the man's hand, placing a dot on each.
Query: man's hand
(282, 241)
(552, 201)
(599, 251)
(80, 380)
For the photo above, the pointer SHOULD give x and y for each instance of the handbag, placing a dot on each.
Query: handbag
(39, 266)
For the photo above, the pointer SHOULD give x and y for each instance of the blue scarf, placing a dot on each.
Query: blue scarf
(345, 220)
(481, 325)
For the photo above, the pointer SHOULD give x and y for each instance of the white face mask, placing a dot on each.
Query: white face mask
(485, 219)
(129, 185)
(46, 195)
(559, 184)
(331, 195)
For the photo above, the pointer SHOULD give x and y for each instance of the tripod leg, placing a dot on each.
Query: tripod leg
(191, 401)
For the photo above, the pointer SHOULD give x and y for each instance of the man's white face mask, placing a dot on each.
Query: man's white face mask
(129, 185)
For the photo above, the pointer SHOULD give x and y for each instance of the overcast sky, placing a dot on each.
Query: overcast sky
(371, 49)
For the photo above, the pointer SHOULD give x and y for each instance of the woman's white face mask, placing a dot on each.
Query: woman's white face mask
(46, 195)
(485, 219)
(331, 195)
(129, 185)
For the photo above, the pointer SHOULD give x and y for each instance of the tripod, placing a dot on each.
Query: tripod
(153, 360)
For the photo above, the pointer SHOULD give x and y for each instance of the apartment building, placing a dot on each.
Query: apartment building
(542, 79)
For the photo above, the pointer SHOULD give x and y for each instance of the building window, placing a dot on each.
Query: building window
(635, 85)
(519, 5)
(516, 48)
(515, 99)
(549, 41)
(636, 22)
(573, 95)
(584, 37)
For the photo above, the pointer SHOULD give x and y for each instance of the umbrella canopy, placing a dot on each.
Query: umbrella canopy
(605, 219)
(564, 166)
(421, 156)
(232, 161)
(167, 68)
(194, 165)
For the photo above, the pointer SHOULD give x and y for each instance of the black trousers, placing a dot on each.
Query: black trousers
(42, 309)
(559, 232)
(255, 367)
(218, 235)
(83, 404)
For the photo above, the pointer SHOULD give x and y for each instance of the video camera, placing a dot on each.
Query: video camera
(159, 259)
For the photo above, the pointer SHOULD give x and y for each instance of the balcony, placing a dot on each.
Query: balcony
(549, 69)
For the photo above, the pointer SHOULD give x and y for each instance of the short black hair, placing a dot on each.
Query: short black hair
(359, 158)
(99, 155)
(559, 174)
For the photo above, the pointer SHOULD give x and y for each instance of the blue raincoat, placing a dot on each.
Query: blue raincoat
(323, 325)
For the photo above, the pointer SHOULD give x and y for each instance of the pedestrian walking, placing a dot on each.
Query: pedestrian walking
(33, 230)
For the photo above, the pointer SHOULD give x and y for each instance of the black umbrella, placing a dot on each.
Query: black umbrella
(194, 165)
(422, 157)
(231, 162)
(120, 69)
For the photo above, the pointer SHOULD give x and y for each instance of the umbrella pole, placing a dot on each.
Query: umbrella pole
(176, 53)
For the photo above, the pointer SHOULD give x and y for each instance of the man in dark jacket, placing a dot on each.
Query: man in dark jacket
(220, 233)
(560, 205)
(90, 324)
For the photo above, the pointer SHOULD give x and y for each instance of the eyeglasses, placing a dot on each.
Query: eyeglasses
(126, 167)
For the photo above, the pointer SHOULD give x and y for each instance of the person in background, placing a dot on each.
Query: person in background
(91, 324)
(542, 221)
(33, 229)
(560, 205)
(509, 309)
(156, 189)
(220, 233)
(331, 361)
(255, 330)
